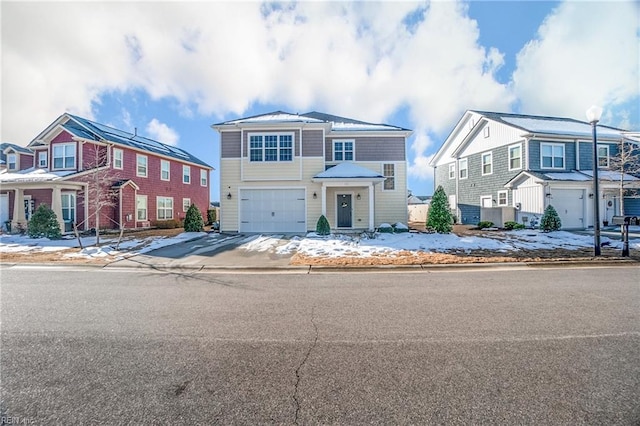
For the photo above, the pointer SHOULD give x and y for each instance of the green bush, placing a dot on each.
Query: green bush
(193, 220)
(385, 228)
(439, 216)
(400, 227)
(167, 224)
(322, 226)
(211, 216)
(44, 223)
(511, 225)
(550, 220)
(485, 224)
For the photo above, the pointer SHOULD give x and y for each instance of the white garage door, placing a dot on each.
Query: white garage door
(272, 210)
(4, 209)
(570, 205)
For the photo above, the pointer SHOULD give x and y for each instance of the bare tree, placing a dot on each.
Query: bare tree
(626, 161)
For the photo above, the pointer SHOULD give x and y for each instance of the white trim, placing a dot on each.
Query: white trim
(466, 168)
(146, 208)
(184, 210)
(506, 198)
(115, 158)
(608, 156)
(486, 197)
(395, 187)
(452, 170)
(509, 148)
(173, 206)
(53, 156)
(564, 156)
(205, 174)
(168, 163)
(333, 149)
(146, 165)
(46, 159)
(187, 175)
(489, 163)
(278, 148)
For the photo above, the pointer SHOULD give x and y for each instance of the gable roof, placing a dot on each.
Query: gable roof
(93, 131)
(6, 145)
(348, 170)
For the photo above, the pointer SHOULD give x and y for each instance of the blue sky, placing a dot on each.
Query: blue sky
(171, 69)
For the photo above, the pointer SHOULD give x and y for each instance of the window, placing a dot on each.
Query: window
(271, 147)
(141, 161)
(186, 174)
(515, 157)
(343, 150)
(165, 166)
(503, 198)
(12, 161)
(452, 171)
(186, 203)
(68, 206)
(390, 177)
(64, 156)
(141, 207)
(487, 163)
(603, 156)
(203, 177)
(165, 208)
(463, 168)
(552, 155)
(486, 132)
(117, 158)
(42, 159)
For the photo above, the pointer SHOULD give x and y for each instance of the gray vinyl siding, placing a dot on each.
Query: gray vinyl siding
(586, 153)
(312, 143)
(386, 149)
(230, 144)
(442, 179)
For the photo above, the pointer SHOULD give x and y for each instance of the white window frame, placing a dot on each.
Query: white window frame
(186, 203)
(463, 166)
(486, 132)
(284, 148)
(12, 161)
(68, 208)
(488, 163)
(142, 170)
(452, 171)
(553, 157)
(606, 157)
(141, 208)
(118, 158)
(165, 168)
(43, 155)
(164, 208)
(343, 151)
(204, 178)
(65, 155)
(512, 158)
(503, 195)
(389, 177)
(186, 174)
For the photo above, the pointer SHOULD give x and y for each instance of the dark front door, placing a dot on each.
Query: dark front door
(344, 210)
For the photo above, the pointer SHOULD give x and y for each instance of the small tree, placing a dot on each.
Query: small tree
(322, 227)
(625, 161)
(439, 215)
(193, 220)
(211, 216)
(550, 220)
(44, 223)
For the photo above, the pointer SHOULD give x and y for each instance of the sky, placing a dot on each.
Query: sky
(172, 69)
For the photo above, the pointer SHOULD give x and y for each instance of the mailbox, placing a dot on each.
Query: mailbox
(625, 220)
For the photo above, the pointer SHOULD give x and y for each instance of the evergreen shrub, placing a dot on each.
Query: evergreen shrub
(550, 220)
(193, 220)
(439, 217)
(44, 223)
(322, 226)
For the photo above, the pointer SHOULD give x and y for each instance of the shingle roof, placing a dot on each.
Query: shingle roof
(348, 170)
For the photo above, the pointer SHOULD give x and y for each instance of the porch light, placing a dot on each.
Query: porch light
(593, 115)
(358, 196)
(228, 196)
(315, 195)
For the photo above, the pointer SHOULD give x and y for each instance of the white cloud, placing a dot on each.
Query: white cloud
(162, 133)
(585, 53)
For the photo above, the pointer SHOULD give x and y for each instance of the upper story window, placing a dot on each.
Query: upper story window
(343, 151)
(486, 132)
(12, 161)
(463, 165)
(271, 147)
(203, 178)
(141, 165)
(552, 156)
(389, 172)
(186, 174)
(452, 171)
(42, 158)
(64, 156)
(515, 157)
(165, 167)
(118, 156)
(487, 163)
(603, 156)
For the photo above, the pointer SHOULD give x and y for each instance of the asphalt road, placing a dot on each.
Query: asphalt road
(492, 346)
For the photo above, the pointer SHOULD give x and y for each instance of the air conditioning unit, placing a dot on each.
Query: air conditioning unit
(146, 224)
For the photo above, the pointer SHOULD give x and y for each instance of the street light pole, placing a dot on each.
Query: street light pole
(593, 115)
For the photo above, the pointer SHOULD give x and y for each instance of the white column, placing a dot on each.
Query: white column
(18, 210)
(56, 206)
(324, 199)
(371, 210)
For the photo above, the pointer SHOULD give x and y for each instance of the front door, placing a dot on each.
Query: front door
(344, 210)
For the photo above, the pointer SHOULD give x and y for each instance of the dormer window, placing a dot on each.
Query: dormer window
(42, 159)
(12, 161)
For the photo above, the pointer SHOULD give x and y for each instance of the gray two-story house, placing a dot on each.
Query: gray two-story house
(520, 164)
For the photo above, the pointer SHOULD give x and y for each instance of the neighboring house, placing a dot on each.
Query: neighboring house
(519, 164)
(77, 167)
(12, 157)
(279, 172)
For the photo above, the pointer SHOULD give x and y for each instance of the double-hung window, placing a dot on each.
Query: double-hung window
(42, 159)
(68, 206)
(165, 167)
(463, 165)
(487, 163)
(117, 158)
(141, 207)
(204, 178)
(603, 156)
(270, 147)
(389, 172)
(452, 171)
(186, 203)
(186, 174)
(503, 198)
(12, 161)
(552, 155)
(343, 151)
(164, 208)
(515, 157)
(64, 156)
(141, 165)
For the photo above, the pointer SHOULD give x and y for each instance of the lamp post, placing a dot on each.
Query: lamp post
(593, 115)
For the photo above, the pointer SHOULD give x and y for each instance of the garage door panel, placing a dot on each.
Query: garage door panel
(569, 203)
(272, 210)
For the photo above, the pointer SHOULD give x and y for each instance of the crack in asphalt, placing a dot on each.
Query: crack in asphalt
(304, 360)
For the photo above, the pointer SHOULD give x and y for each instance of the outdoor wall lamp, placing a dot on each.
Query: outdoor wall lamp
(593, 115)
(548, 195)
(315, 195)
(358, 197)
(228, 196)
(590, 195)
